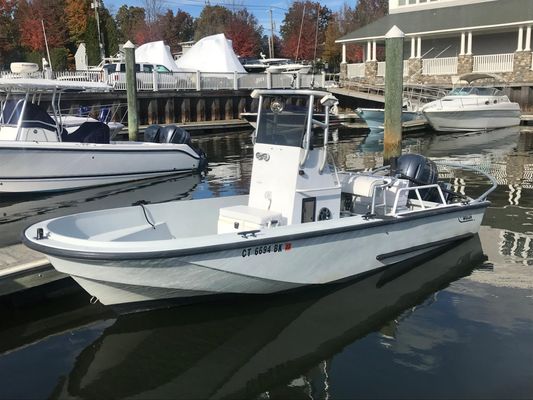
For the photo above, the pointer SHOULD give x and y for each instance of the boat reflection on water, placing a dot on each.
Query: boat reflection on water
(19, 211)
(238, 349)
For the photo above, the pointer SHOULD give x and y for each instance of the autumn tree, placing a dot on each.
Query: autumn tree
(131, 24)
(264, 45)
(175, 29)
(8, 31)
(303, 30)
(30, 13)
(153, 10)
(368, 11)
(77, 14)
(332, 53)
(245, 34)
(351, 19)
(212, 20)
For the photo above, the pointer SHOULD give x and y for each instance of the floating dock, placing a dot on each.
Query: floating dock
(22, 269)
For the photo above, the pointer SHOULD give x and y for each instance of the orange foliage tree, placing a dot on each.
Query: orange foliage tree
(76, 16)
(299, 30)
(245, 34)
(51, 13)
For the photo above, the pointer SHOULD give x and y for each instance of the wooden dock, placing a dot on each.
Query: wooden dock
(22, 268)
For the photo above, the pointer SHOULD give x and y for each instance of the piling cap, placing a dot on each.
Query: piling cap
(128, 45)
(394, 32)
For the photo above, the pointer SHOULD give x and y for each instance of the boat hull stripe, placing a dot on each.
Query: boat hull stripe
(384, 256)
(64, 177)
(96, 149)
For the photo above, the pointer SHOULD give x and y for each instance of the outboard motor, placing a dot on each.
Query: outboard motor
(419, 170)
(151, 133)
(177, 135)
(174, 134)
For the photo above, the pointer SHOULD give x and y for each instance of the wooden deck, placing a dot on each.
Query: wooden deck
(22, 268)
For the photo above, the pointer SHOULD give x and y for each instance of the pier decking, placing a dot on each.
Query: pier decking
(22, 269)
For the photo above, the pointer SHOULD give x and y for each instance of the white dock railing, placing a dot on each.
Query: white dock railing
(439, 66)
(494, 63)
(154, 81)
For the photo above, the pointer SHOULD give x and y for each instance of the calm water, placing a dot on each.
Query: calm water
(457, 324)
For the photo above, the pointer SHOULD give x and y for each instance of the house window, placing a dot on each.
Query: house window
(401, 2)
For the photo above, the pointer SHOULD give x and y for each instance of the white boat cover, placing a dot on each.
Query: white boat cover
(156, 53)
(211, 54)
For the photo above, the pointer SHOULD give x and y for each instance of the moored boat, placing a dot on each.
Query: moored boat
(38, 153)
(472, 108)
(375, 117)
(304, 223)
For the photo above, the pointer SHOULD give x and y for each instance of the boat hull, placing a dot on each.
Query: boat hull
(272, 264)
(473, 119)
(375, 117)
(43, 167)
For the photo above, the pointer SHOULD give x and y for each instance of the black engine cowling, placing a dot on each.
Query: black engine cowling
(419, 170)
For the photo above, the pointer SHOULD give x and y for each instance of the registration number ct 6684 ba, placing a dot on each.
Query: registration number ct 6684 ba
(266, 249)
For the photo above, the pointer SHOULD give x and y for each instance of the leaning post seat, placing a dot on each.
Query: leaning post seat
(242, 218)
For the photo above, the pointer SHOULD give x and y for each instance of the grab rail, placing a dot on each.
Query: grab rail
(417, 189)
(479, 199)
(484, 195)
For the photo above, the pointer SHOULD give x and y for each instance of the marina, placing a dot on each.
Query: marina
(185, 216)
(479, 293)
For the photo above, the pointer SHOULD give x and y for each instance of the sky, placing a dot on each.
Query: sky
(260, 9)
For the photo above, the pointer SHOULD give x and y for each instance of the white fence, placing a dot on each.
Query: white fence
(494, 63)
(154, 81)
(356, 70)
(439, 66)
(382, 65)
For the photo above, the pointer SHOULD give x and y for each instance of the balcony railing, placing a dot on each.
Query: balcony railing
(439, 66)
(494, 63)
(356, 70)
(382, 68)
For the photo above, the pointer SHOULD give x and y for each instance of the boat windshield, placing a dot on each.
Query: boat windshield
(475, 90)
(281, 122)
(34, 116)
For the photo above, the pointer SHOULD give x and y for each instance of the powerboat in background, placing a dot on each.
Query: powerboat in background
(274, 65)
(375, 117)
(37, 153)
(72, 122)
(472, 108)
(302, 224)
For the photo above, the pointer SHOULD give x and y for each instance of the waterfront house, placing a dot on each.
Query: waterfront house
(447, 38)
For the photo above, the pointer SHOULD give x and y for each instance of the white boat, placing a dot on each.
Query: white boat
(304, 223)
(285, 65)
(275, 66)
(241, 344)
(472, 108)
(375, 117)
(38, 154)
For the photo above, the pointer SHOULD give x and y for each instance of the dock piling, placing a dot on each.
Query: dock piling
(131, 89)
(392, 137)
